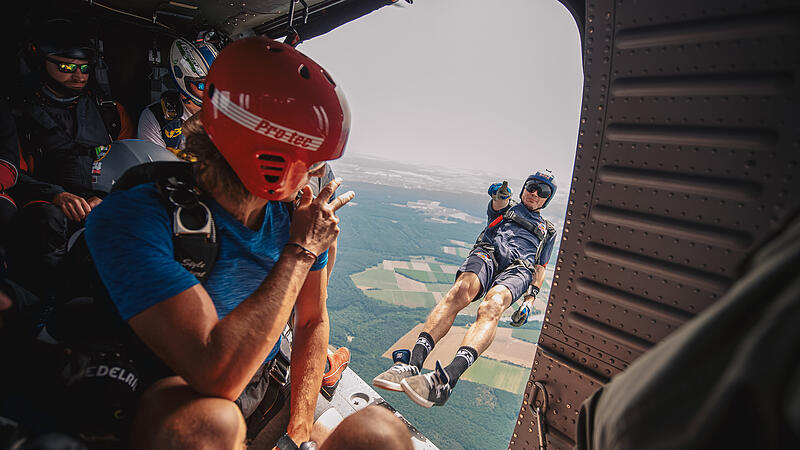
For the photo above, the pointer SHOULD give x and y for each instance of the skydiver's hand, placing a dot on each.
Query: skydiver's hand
(520, 316)
(74, 207)
(500, 191)
(314, 222)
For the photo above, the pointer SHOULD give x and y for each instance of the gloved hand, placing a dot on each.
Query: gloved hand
(500, 191)
(520, 316)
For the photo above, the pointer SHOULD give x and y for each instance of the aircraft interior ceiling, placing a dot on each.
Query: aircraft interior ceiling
(686, 162)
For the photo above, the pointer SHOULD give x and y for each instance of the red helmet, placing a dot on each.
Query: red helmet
(273, 113)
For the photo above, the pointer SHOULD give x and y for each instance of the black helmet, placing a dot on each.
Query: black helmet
(62, 37)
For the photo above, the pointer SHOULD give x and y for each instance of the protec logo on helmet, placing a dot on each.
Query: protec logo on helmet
(222, 101)
(273, 113)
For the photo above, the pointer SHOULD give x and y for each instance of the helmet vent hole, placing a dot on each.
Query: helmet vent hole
(304, 72)
(272, 178)
(275, 49)
(328, 77)
(273, 158)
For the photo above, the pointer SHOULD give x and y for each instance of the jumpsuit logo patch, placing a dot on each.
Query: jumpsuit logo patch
(173, 133)
(100, 152)
(485, 257)
(542, 228)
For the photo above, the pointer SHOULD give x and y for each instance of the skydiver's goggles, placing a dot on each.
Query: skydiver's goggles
(196, 83)
(69, 67)
(543, 190)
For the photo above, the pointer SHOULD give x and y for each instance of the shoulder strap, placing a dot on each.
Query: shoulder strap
(194, 233)
(110, 115)
(524, 223)
(155, 108)
(551, 231)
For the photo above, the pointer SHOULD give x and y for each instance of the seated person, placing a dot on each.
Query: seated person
(510, 254)
(162, 122)
(216, 335)
(64, 125)
(9, 172)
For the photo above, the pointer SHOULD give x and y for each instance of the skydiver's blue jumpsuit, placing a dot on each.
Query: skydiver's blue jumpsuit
(506, 252)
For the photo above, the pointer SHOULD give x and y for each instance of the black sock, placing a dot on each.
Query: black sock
(421, 349)
(464, 358)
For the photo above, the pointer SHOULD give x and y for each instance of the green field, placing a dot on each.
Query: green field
(529, 332)
(440, 287)
(404, 298)
(498, 374)
(375, 278)
(425, 276)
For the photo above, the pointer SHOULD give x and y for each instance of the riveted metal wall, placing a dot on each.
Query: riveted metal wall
(686, 162)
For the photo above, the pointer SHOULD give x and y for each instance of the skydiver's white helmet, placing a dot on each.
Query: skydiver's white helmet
(121, 156)
(188, 65)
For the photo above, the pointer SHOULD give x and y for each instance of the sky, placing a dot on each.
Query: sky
(461, 84)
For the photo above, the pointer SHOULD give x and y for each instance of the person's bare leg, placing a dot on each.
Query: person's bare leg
(171, 415)
(374, 427)
(481, 333)
(459, 296)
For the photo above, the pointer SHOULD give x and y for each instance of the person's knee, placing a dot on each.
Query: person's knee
(464, 289)
(171, 415)
(494, 304)
(371, 428)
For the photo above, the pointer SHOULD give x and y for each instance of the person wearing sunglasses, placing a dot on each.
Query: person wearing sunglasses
(64, 124)
(508, 259)
(161, 122)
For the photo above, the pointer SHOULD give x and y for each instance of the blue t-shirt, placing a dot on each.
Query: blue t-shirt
(512, 241)
(130, 238)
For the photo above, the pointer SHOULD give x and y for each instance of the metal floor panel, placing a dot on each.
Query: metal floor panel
(686, 162)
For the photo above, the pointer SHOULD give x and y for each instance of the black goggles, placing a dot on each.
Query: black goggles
(70, 67)
(541, 189)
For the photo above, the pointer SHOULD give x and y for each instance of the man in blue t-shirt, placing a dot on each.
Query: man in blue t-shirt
(510, 255)
(254, 155)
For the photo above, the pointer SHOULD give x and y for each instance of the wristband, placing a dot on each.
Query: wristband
(534, 291)
(305, 250)
(286, 443)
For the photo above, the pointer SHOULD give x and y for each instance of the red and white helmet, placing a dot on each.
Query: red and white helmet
(273, 113)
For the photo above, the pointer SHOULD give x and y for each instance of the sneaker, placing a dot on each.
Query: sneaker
(401, 369)
(337, 361)
(431, 389)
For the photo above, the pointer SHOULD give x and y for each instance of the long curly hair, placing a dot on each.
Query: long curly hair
(214, 174)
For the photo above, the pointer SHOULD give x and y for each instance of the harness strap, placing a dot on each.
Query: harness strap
(527, 225)
(194, 231)
(110, 114)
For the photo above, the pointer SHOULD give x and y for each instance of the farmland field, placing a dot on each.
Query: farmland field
(403, 298)
(502, 375)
